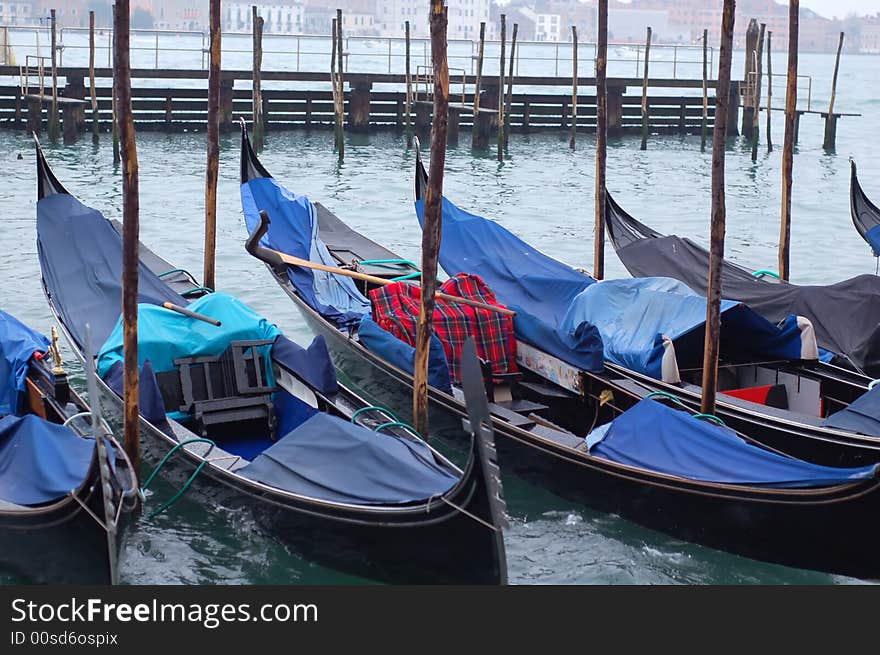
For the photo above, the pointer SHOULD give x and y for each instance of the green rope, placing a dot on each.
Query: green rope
(398, 424)
(409, 276)
(186, 486)
(664, 394)
(379, 262)
(710, 417)
(764, 272)
(190, 292)
(372, 408)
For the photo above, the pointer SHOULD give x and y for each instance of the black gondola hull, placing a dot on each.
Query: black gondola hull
(440, 544)
(831, 533)
(62, 545)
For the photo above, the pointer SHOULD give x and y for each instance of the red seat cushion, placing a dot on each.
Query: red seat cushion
(772, 395)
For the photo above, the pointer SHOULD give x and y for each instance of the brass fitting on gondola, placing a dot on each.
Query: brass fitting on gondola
(55, 352)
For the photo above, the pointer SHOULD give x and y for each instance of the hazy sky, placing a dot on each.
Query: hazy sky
(842, 8)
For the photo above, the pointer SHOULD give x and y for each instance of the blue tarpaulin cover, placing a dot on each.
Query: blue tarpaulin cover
(861, 416)
(538, 288)
(40, 462)
(657, 438)
(165, 335)
(81, 259)
(387, 346)
(335, 460)
(634, 315)
(872, 236)
(312, 364)
(151, 405)
(18, 343)
(294, 231)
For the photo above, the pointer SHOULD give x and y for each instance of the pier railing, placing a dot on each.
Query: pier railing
(164, 49)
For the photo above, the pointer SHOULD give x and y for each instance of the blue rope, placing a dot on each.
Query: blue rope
(186, 486)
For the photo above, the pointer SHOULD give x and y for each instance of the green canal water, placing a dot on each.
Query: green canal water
(544, 192)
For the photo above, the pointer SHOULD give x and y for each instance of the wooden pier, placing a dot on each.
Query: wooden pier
(177, 100)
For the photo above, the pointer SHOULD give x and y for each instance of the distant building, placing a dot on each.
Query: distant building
(16, 13)
(869, 41)
(465, 17)
(180, 15)
(317, 19)
(278, 18)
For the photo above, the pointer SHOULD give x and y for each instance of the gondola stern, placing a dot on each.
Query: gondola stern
(251, 167)
(47, 183)
(421, 175)
(623, 229)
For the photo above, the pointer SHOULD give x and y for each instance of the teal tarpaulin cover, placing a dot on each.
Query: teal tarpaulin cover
(165, 335)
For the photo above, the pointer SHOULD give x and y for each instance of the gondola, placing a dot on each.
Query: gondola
(845, 315)
(57, 526)
(657, 465)
(865, 214)
(342, 482)
(809, 409)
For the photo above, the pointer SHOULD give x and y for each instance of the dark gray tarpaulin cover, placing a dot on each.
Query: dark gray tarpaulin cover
(861, 416)
(845, 315)
(81, 258)
(336, 460)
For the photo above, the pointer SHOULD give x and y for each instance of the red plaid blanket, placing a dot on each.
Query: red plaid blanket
(396, 309)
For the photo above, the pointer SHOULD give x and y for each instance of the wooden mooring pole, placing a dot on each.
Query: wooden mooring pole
(130, 234)
(704, 123)
(789, 139)
(510, 72)
(831, 117)
(114, 99)
(645, 91)
(572, 139)
(477, 131)
(759, 61)
(501, 118)
(409, 132)
(719, 214)
(92, 91)
(769, 91)
(340, 92)
(54, 127)
(257, 92)
(333, 85)
(212, 168)
(748, 121)
(431, 232)
(601, 137)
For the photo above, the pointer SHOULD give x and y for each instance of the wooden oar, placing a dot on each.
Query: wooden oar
(190, 313)
(277, 258)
